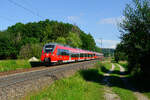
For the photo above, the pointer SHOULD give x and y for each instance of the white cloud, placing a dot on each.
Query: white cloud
(73, 18)
(113, 20)
(107, 43)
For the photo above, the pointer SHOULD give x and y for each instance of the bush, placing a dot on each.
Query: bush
(29, 50)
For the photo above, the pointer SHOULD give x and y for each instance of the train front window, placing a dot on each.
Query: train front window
(49, 48)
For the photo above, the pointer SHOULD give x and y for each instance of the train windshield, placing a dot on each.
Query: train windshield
(49, 48)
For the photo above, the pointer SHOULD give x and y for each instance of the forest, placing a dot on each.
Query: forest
(22, 41)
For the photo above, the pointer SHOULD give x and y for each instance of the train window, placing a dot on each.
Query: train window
(67, 52)
(84, 55)
(81, 54)
(49, 48)
(78, 55)
(58, 51)
(72, 55)
(63, 52)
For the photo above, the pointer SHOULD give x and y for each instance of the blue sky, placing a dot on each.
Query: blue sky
(98, 17)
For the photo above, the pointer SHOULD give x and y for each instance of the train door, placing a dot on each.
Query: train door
(69, 56)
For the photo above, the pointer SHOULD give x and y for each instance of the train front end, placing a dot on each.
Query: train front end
(47, 52)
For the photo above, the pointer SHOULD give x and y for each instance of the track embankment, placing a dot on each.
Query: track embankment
(16, 86)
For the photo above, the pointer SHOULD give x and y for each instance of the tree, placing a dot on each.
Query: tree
(119, 53)
(29, 50)
(88, 42)
(74, 40)
(20, 35)
(97, 49)
(136, 35)
(7, 47)
(61, 40)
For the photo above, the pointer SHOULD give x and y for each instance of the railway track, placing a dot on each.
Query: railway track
(50, 71)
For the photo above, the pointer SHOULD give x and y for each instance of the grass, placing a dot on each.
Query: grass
(147, 94)
(84, 85)
(124, 64)
(119, 88)
(7, 65)
(104, 67)
(117, 68)
(73, 88)
(107, 65)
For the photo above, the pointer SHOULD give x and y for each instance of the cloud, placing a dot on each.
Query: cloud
(113, 20)
(73, 18)
(107, 43)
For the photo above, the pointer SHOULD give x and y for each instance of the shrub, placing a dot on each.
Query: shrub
(30, 50)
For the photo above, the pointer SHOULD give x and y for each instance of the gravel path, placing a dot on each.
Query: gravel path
(139, 95)
(109, 95)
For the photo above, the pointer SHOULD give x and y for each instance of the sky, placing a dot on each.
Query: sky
(100, 18)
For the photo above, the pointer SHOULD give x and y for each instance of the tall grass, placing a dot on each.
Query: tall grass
(73, 88)
(7, 65)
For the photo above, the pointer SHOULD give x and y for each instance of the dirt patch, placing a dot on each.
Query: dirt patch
(109, 95)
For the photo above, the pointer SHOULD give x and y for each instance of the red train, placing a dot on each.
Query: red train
(56, 53)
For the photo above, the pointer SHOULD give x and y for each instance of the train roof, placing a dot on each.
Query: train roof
(73, 49)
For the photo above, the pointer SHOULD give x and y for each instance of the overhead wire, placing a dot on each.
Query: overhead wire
(30, 5)
(25, 8)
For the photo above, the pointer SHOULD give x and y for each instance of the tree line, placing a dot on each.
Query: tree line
(135, 37)
(26, 40)
(108, 52)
